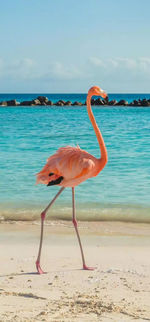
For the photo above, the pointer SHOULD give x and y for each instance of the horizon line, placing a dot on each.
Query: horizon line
(71, 93)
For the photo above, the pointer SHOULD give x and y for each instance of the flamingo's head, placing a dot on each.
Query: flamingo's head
(97, 91)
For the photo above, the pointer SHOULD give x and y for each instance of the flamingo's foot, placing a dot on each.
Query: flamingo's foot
(87, 268)
(39, 269)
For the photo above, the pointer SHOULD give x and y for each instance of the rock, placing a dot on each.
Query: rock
(68, 103)
(12, 103)
(113, 102)
(92, 101)
(77, 104)
(50, 103)
(36, 102)
(42, 99)
(3, 103)
(122, 103)
(63, 102)
(145, 102)
(131, 104)
(26, 103)
(99, 101)
(59, 103)
(135, 103)
(106, 100)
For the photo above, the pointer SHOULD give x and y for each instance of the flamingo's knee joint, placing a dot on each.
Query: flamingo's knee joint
(43, 215)
(74, 222)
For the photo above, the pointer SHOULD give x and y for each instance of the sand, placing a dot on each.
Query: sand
(117, 290)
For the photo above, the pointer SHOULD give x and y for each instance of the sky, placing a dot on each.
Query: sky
(66, 46)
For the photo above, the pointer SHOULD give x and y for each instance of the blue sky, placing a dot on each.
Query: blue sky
(67, 45)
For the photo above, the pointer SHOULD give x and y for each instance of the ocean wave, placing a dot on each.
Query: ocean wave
(124, 213)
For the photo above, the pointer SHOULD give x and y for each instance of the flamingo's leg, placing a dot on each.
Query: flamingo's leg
(77, 232)
(43, 214)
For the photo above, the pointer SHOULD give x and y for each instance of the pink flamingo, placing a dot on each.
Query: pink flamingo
(70, 166)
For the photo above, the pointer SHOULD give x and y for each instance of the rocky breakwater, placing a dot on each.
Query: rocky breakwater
(44, 101)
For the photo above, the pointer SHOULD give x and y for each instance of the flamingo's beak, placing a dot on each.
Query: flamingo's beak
(103, 94)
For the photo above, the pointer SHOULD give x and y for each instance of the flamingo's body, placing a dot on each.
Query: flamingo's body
(70, 166)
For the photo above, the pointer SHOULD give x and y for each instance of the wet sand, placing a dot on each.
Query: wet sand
(117, 290)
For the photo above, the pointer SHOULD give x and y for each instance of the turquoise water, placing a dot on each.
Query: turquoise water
(29, 135)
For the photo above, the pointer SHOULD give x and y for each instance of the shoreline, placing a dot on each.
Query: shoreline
(99, 228)
(138, 214)
(118, 289)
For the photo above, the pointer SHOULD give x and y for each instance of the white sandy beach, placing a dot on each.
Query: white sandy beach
(117, 290)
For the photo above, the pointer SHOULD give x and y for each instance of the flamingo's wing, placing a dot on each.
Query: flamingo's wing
(68, 163)
(74, 162)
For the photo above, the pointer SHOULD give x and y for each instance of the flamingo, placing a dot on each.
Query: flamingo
(69, 167)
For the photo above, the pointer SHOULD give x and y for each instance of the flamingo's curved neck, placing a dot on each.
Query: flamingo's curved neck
(96, 129)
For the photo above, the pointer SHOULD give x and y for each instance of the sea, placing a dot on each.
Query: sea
(29, 135)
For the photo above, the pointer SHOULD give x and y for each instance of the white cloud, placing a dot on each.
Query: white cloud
(123, 66)
(58, 71)
(127, 63)
(22, 63)
(144, 64)
(26, 68)
(20, 69)
(28, 62)
(111, 72)
(113, 62)
(97, 62)
(145, 59)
